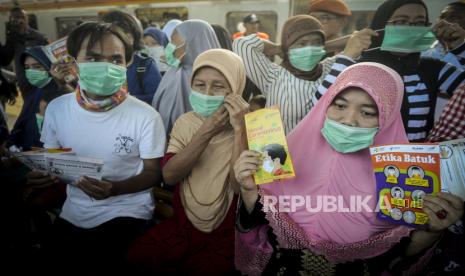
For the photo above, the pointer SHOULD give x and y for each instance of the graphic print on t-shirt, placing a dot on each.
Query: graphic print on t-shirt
(123, 144)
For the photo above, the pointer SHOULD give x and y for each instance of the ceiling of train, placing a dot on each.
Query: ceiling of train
(44, 4)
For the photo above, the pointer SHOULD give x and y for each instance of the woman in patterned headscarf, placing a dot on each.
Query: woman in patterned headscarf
(365, 101)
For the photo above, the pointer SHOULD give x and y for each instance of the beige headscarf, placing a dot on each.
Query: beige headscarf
(206, 193)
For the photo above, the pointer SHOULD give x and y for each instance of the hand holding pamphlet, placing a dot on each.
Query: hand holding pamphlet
(404, 175)
(56, 50)
(57, 53)
(453, 167)
(62, 163)
(265, 134)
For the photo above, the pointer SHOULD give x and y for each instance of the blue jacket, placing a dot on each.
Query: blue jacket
(151, 79)
(25, 133)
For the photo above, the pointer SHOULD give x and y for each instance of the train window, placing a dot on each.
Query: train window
(268, 22)
(359, 20)
(157, 17)
(66, 24)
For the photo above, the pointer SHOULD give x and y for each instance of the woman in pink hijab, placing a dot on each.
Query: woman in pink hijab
(280, 228)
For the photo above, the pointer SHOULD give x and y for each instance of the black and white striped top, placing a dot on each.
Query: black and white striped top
(419, 101)
(279, 86)
(455, 56)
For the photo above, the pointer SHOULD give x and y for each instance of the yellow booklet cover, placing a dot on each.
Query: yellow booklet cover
(265, 134)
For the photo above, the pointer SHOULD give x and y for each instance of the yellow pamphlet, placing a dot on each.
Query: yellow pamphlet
(265, 134)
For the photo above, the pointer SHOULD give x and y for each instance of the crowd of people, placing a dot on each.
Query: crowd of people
(165, 108)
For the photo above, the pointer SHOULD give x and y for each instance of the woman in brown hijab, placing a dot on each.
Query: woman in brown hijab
(292, 84)
(204, 144)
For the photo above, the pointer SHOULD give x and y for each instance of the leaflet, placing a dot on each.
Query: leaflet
(35, 159)
(69, 168)
(56, 50)
(404, 175)
(265, 134)
(453, 167)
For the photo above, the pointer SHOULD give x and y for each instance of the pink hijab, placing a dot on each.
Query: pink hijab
(320, 170)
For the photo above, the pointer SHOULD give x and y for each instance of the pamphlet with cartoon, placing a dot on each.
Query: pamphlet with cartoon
(453, 167)
(56, 50)
(404, 175)
(265, 134)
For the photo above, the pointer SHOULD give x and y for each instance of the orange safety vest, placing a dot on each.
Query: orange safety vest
(259, 34)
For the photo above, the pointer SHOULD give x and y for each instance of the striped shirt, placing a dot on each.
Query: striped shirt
(455, 57)
(279, 86)
(418, 104)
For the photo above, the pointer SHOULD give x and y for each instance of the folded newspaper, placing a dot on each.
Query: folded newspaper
(64, 164)
(453, 167)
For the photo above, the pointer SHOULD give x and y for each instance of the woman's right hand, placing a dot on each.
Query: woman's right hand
(217, 122)
(245, 167)
(63, 72)
(358, 42)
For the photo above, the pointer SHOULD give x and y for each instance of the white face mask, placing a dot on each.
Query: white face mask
(268, 165)
(156, 53)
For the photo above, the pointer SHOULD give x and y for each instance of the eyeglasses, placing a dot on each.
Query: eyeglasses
(404, 22)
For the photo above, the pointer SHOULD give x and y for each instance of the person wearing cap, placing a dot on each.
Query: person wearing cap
(292, 84)
(251, 24)
(333, 15)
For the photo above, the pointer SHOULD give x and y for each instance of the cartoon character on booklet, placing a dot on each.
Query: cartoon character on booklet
(274, 158)
(416, 173)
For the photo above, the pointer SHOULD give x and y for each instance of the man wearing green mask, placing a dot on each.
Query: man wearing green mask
(101, 120)
(406, 34)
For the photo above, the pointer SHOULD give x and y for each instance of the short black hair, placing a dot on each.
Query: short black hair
(459, 6)
(276, 151)
(96, 31)
(17, 9)
(128, 23)
(259, 100)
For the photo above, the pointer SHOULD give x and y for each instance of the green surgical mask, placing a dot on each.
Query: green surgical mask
(306, 58)
(203, 104)
(38, 78)
(346, 139)
(40, 121)
(407, 39)
(101, 78)
(169, 55)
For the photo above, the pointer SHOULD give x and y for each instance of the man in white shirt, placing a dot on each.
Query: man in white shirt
(101, 120)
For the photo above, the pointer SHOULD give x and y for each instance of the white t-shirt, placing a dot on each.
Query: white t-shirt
(122, 137)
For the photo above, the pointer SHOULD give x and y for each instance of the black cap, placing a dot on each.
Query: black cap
(251, 18)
